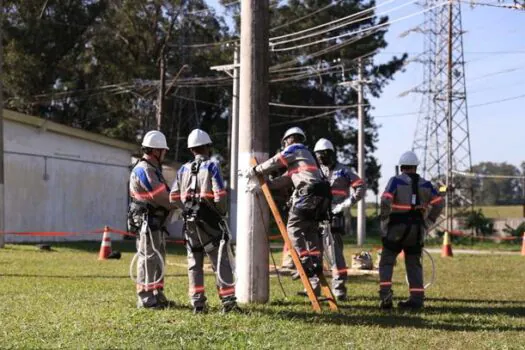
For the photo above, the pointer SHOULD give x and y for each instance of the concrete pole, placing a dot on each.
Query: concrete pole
(361, 205)
(234, 142)
(2, 203)
(448, 178)
(162, 88)
(252, 243)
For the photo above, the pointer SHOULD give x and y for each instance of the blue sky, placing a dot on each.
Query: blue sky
(497, 131)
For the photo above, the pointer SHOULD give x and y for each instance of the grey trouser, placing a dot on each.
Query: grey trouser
(150, 267)
(337, 263)
(199, 236)
(412, 247)
(304, 235)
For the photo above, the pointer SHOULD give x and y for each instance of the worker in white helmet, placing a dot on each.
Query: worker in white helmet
(347, 189)
(150, 202)
(310, 199)
(199, 188)
(409, 206)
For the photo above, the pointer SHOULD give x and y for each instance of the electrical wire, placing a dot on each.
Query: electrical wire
(305, 16)
(379, 26)
(343, 25)
(353, 15)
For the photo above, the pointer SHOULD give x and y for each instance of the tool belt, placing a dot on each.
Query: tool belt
(138, 212)
(314, 201)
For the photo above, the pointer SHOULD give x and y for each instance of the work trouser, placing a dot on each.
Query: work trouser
(411, 243)
(334, 252)
(304, 235)
(199, 236)
(150, 267)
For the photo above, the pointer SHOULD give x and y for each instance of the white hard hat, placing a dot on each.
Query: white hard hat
(324, 145)
(294, 131)
(197, 138)
(155, 139)
(409, 158)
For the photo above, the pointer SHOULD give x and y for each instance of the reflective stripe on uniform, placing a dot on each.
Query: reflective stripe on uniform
(310, 168)
(416, 290)
(149, 194)
(150, 286)
(341, 272)
(357, 183)
(197, 289)
(388, 195)
(224, 292)
(339, 193)
(436, 200)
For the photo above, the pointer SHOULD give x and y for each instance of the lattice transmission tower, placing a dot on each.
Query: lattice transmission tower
(442, 139)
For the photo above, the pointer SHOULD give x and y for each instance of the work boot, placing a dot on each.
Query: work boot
(386, 300)
(229, 305)
(149, 302)
(199, 310)
(342, 297)
(162, 300)
(410, 305)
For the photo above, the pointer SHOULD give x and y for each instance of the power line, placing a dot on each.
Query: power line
(376, 27)
(333, 22)
(342, 25)
(338, 107)
(305, 17)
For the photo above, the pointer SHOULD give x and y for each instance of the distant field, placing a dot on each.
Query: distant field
(495, 212)
(503, 211)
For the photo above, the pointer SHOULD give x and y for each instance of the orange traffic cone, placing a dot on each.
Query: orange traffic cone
(105, 246)
(446, 249)
(523, 245)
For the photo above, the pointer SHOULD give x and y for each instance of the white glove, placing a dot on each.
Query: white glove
(253, 185)
(343, 205)
(248, 173)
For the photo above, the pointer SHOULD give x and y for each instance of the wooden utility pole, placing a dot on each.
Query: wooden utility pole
(252, 243)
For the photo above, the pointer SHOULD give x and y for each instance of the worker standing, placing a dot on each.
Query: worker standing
(409, 206)
(347, 189)
(148, 210)
(200, 189)
(310, 199)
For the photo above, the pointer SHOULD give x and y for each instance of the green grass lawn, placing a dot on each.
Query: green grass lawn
(68, 299)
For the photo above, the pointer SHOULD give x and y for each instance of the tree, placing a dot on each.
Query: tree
(496, 191)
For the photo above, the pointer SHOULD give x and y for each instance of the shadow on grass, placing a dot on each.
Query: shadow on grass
(394, 319)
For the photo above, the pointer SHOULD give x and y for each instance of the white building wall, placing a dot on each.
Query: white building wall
(55, 182)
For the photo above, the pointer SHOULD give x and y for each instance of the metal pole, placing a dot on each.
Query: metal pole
(2, 203)
(234, 142)
(252, 243)
(361, 205)
(448, 180)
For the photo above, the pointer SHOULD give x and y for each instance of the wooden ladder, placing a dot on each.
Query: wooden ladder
(325, 288)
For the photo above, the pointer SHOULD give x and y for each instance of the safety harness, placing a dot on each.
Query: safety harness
(197, 210)
(410, 218)
(138, 209)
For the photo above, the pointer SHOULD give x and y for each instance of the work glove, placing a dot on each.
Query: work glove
(248, 173)
(253, 185)
(343, 205)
